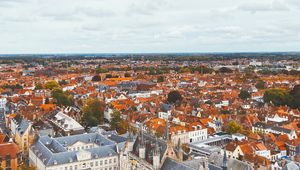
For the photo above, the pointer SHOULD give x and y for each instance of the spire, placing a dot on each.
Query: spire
(167, 129)
(142, 135)
(156, 156)
(224, 166)
(179, 145)
(142, 149)
(180, 151)
(156, 149)
(129, 137)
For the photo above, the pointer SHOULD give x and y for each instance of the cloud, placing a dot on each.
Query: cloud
(145, 7)
(275, 5)
(53, 26)
(294, 3)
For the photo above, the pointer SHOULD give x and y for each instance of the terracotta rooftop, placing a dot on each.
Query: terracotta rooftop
(9, 149)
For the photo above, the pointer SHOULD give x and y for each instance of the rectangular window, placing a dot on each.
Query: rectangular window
(101, 162)
(115, 160)
(96, 163)
(105, 162)
(92, 164)
(110, 161)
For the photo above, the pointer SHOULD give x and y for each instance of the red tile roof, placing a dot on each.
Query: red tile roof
(9, 149)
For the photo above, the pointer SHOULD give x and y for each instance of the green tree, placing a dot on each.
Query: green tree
(295, 97)
(225, 70)
(174, 97)
(278, 97)
(18, 86)
(127, 75)
(233, 127)
(63, 82)
(160, 79)
(115, 119)
(260, 84)
(12, 87)
(47, 101)
(117, 123)
(184, 70)
(93, 112)
(62, 98)
(249, 71)
(38, 86)
(123, 127)
(108, 76)
(96, 78)
(244, 94)
(101, 70)
(202, 70)
(152, 71)
(52, 84)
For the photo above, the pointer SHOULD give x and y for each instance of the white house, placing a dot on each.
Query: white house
(85, 151)
(197, 135)
(164, 115)
(276, 118)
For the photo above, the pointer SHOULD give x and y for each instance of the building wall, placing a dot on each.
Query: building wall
(106, 163)
(184, 138)
(237, 152)
(189, 137)
(3, 102)
(264, 153)
(35, 161)
(13, 164)
(197, 135)
(23, 141)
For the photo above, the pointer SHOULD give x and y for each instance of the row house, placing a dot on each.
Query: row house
(260, 127)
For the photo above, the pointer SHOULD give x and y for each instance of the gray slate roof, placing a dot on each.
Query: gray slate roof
(24, 124)
(52, 150)
(171, 164)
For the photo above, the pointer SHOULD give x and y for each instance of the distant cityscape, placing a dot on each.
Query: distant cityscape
(177, 111)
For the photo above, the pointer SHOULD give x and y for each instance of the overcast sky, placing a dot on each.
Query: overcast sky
(89, 26)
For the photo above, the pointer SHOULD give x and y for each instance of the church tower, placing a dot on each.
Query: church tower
(156, 156)
(166, 135)
(130, 142)
(142, 148)
(225, 163)
(180, 151)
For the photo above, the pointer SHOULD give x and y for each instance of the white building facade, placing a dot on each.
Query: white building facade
(78, 152)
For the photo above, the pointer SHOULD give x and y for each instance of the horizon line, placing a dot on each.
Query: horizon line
(136, 53)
